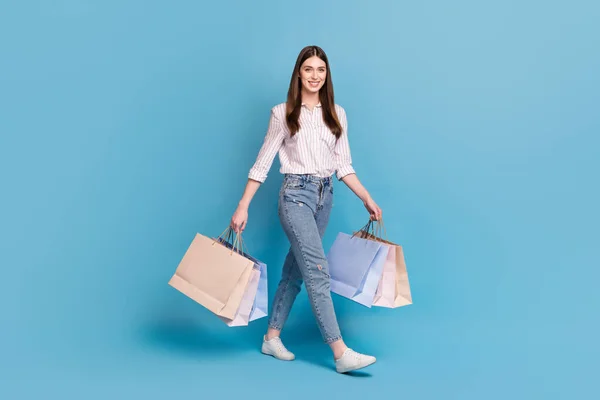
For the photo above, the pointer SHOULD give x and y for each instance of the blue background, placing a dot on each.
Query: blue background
(128, 126)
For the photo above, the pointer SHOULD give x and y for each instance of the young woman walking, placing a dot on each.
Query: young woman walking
(309, 132)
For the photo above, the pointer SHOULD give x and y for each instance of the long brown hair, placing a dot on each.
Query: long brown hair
(294, 97)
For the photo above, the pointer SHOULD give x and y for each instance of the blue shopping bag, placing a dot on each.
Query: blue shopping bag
(261, 301)
(260, 307)
(355, 267)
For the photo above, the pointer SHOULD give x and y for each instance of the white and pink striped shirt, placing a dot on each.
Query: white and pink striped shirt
(312, 150)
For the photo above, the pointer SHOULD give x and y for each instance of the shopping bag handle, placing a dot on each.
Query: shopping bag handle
(237, 244)
(374, 229)
(365, 230)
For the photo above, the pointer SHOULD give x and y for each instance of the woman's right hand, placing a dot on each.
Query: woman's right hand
(239, 219)
(374, 210)
(240, 216)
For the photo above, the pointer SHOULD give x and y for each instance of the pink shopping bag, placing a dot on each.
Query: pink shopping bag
(393, 289)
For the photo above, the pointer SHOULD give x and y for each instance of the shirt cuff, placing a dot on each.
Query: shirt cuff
(345, 170)
(257, 175)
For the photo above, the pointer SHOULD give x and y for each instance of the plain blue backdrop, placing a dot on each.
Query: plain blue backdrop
(128, 126)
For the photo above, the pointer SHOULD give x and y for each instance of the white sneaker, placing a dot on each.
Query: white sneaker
(351, 361)
(274, 347)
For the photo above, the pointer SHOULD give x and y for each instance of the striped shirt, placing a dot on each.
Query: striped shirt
(312, 150)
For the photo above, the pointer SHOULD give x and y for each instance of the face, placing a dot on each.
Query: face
(312, 74)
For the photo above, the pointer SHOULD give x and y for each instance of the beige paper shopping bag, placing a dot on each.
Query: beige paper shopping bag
(403, 294)
(396, 276)
(213, 275)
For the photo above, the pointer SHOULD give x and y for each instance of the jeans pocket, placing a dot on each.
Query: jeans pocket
(294, 183)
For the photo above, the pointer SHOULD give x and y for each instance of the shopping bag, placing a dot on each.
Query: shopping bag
(394, 287)
(260, 308)
(259, 305)
(355, 267)
(403, 293)
(213, 275)
(242, 317)
(384, 296)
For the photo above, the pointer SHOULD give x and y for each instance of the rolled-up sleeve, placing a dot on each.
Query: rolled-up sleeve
(341, 152)
(270, 147)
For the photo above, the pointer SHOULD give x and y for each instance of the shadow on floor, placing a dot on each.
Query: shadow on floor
(204, 337)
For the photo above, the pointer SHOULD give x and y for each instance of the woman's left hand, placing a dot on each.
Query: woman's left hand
(373, 209)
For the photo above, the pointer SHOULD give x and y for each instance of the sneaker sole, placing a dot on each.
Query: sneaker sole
(277, 358)
(345, 370)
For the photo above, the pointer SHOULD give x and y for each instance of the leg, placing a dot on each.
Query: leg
(338, 347)
(345, 359)
(298, 219)
(288, 289)
(291, 279)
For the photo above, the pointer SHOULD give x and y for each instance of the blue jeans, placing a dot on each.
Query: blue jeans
(304, 206)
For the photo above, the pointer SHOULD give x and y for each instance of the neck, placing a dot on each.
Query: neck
(312, 99)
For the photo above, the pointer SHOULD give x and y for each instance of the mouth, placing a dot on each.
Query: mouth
(314, 83)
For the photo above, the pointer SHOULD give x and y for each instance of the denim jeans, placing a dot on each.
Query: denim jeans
(304, 206)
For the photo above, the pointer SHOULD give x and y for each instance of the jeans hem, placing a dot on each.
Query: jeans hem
(334, 339)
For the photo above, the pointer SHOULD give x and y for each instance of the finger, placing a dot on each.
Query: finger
(243, 226)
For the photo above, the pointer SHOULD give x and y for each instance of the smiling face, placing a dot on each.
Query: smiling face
(313, 73)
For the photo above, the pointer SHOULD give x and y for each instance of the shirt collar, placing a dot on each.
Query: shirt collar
(318, 104)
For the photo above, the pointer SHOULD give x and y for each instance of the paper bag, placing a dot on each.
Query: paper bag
(394, 287)
(355, 267)
(260, 306)
(242, 316)
(213, 275)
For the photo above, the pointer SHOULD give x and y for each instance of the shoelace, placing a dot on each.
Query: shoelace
(280, 346)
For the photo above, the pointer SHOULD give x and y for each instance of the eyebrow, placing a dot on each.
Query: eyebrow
(308, 66)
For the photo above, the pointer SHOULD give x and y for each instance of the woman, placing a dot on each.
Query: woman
(309, 132)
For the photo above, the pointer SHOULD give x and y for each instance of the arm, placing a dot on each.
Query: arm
(258, 173)
(240, 216)
(346, 173)
(249, 192)
(359, 190)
